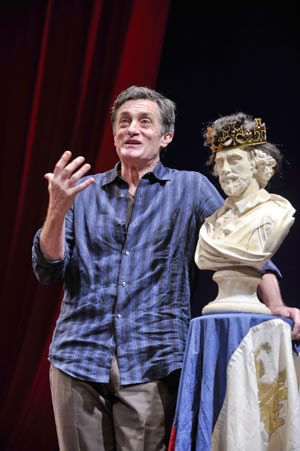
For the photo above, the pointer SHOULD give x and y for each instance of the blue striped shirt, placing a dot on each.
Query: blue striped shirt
(127, 291)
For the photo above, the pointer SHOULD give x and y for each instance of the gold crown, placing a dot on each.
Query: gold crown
(234, 136)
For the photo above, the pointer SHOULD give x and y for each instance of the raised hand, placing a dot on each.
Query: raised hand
(62, 182)
(62, 191)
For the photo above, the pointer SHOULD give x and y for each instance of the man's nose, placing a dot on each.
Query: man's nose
(133, 128)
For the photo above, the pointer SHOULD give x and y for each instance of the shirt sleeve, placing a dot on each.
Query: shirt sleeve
(271, 267)
(210, 199)
(51, 271)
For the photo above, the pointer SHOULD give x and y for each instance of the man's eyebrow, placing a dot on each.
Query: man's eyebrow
(124, 113)
(140, 114)
(146, 113)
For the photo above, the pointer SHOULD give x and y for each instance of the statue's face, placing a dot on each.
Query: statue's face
(235, 171)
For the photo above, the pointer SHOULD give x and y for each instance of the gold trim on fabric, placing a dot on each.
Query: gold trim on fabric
(270, 395)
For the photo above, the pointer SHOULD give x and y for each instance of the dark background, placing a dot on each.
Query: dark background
(218, 61)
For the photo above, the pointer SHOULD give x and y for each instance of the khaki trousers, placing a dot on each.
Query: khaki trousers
(97, 416)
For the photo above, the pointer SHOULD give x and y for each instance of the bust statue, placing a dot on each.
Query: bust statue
(238, 239)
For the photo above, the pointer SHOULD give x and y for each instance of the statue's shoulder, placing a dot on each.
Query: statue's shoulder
(280, 203)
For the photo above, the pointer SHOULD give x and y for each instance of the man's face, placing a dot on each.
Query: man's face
(235, 171)
(137, 134)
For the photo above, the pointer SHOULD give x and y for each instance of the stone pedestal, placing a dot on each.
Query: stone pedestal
(237, 289)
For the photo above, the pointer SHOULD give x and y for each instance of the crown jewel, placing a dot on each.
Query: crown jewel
(235, 136)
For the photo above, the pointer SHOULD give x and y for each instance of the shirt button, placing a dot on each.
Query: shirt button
(127, 252)
(124, 284)
(119, 316)
(121, 196)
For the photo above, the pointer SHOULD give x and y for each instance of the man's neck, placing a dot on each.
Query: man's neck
(132, 173)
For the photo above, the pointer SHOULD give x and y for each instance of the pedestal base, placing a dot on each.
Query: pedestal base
(237, 292)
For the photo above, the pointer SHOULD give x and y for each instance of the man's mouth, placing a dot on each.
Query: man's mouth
(132, 142)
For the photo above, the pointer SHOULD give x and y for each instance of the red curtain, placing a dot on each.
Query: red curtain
(62, 64)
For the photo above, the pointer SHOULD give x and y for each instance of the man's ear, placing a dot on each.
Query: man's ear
(166, 139)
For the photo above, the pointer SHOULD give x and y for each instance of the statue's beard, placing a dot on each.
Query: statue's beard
(234, 185)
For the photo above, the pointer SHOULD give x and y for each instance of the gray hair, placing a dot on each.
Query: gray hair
(267, 157)
(166, 106)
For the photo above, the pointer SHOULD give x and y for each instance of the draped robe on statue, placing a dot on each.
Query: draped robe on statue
(244, 233)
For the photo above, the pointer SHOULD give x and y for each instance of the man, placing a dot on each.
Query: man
(124, 243)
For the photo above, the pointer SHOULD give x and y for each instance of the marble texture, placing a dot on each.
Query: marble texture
(238, 239)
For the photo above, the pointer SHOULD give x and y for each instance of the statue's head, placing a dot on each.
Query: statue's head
(240, 152)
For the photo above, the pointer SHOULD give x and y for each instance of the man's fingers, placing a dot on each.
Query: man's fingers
(289, 312)
(63, 161)
(295, 315)
(49, 176)
(72, 171)
(64, 168)
(69, 170)
(80, 173)
(62, 185)
(296, 333)
(67, 173)
(84, 185)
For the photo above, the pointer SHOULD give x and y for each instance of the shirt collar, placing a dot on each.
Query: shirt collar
(249, 201)
(160, 173)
